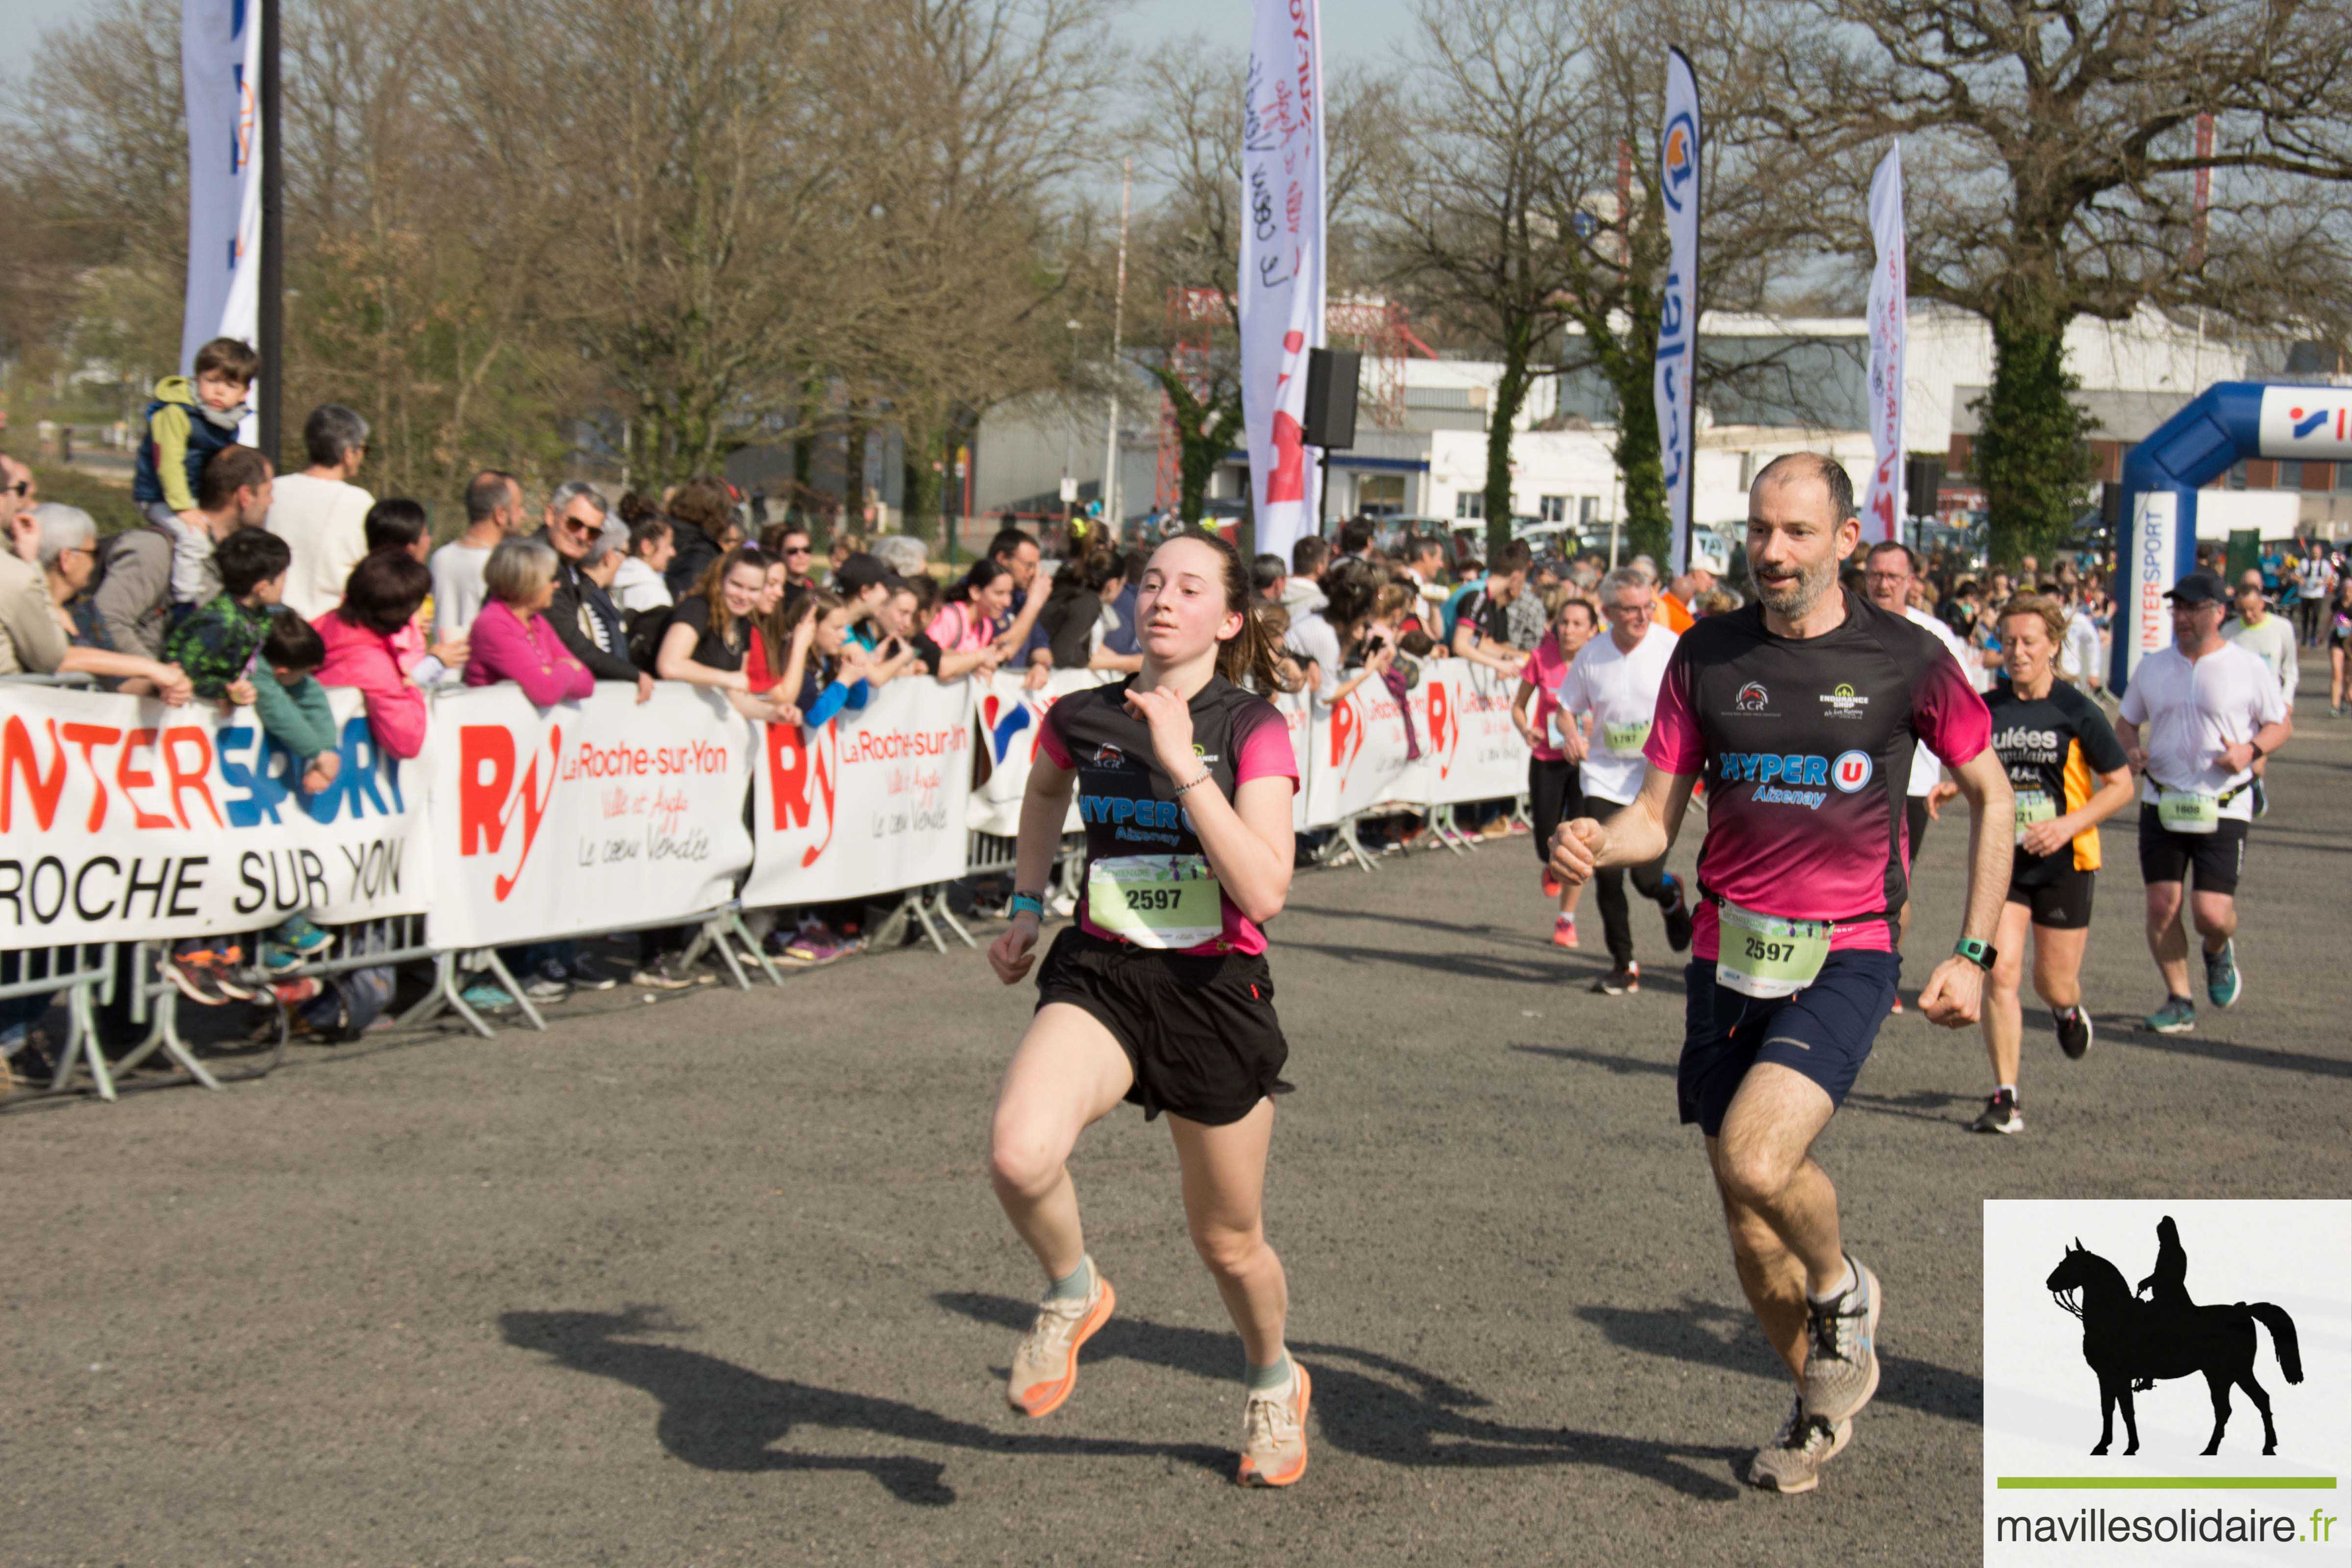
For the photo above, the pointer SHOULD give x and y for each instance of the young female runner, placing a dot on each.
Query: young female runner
(1160, 993)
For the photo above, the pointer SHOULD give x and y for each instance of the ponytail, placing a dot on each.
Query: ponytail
(1250, 658)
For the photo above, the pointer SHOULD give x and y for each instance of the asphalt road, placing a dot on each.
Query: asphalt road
(722, 1280)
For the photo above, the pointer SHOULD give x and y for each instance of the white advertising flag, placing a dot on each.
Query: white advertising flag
(220, 70)
(561, 821)
(1882, 507)
(1678, 185)
(1280, 299)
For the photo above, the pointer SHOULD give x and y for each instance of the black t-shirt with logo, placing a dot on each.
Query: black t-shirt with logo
(2054, 746)
(1127, 802)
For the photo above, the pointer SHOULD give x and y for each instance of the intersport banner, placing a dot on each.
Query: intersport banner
(1011, 718)
(1882, 507)
(1280, 295)
(220, 71)
(876, 801)
(125, 820)
(583, 816)
(1472, 750)
(1677, 351)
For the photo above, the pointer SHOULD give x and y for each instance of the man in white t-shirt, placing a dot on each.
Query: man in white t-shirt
(1615, 679)
(493, 512)
(320, 514)
(1887, 574)
(2269, 639)
(2196, 718)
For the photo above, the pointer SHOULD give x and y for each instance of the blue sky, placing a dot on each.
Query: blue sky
(1354, 29)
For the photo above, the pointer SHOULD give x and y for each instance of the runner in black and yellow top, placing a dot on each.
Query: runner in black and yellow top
(1159, 994)
(2067, 774)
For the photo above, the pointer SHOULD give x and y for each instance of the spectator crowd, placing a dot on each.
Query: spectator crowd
(245, 587)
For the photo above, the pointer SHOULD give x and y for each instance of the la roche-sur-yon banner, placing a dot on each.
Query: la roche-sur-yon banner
(1358, 755)
(586, 815)
(125, 820)
(874, 802)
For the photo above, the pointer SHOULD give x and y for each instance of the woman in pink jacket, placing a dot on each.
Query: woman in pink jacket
(370, 647)
(512, 638)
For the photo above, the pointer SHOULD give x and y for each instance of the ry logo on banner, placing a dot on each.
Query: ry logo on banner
(491, 797)
(801, 768)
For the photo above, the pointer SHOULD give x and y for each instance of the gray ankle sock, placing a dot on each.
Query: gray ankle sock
(1266, 1379)
(1075, 1285)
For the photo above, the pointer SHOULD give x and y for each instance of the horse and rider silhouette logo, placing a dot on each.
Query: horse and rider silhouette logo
(2132, 1344)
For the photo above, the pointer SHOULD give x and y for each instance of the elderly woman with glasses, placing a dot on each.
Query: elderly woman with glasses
(47, 623)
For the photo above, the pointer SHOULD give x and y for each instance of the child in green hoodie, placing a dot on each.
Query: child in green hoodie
(188, 421)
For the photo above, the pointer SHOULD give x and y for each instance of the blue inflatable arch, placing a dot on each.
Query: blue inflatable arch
(2157, 544)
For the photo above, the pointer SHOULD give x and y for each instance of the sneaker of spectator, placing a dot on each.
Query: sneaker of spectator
(203, 970)
(670, 971)
(547, 984)
(487, 996)
(583, 972)
(814, 945)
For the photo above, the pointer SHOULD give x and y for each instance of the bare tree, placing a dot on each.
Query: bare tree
(1522, 207)
(2052, 157)
(1187, 140)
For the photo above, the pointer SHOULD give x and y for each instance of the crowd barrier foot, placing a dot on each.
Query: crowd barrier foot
(730, 923)
(443, 998)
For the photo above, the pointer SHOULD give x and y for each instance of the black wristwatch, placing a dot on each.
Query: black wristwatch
(1979, 953)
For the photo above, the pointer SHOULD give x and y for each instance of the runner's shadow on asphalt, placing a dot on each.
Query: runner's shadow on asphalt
(1921, 1105)
(2123, 1030)
(717, 1416)
(1710, 1334)
(1461, 965)
(1381, 1408)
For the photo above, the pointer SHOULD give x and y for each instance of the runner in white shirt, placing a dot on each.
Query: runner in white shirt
(2269, 639)
(1616, 678)
(2317, 582)
(1887, 574)
(2196, 719)
(2082, 657)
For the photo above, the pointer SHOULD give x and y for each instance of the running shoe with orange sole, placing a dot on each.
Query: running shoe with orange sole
(1045, 1366)
(1273, 1435)
(1563, 932)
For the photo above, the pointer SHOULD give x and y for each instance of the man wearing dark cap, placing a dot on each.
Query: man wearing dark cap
(2196, 717)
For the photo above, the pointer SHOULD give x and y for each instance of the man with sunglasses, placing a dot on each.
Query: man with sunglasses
(2196, 719)
(575, 516)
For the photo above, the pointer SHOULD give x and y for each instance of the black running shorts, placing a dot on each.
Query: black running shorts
(1197, 1029)
(2062, 902)
(1554, 796)
(1824, 1031)
(2165, 856)
(1914, 815)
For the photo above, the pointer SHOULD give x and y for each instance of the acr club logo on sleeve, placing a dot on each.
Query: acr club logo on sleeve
(2168, 1377)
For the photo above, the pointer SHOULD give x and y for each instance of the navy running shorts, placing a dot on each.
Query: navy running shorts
(1824, 1031)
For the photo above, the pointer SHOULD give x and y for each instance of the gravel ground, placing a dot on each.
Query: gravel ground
(722, 1280)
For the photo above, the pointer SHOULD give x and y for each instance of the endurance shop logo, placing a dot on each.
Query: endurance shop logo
(2168, 1381)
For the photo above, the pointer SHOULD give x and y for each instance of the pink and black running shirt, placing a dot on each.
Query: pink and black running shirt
(1126, 801)
(1806, 746)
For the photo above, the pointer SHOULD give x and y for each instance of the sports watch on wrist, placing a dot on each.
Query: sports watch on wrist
(1979, 953)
